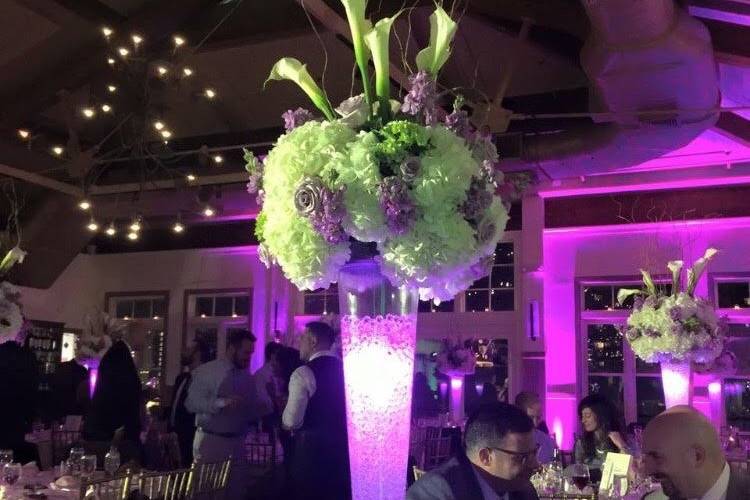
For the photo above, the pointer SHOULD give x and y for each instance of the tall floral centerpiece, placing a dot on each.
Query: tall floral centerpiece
(100, 331)
(395, 201)
(456, 362)
(677, 329)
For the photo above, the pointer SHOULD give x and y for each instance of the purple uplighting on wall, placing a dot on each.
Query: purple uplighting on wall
(610, 253)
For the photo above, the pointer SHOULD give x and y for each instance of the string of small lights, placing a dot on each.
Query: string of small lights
(131, 61)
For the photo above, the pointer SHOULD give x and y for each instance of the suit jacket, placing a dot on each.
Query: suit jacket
(183, 419)
(456, 480)
(739, 485)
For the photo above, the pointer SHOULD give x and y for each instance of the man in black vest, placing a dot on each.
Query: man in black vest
(316, 412)
(500, 458)
(181, 421)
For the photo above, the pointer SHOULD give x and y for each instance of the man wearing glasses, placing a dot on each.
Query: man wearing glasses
(499, 460)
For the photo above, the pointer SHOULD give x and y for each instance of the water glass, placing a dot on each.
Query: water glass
(74, 460)
(11, 473)
(88, 466)
(6, 457)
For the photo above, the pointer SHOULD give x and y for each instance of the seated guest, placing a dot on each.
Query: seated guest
(316, 413)
(70, 390)
(601, 433)
(529, 402)
(19, 380)
(499, 460)
(682, 451)
(116, 404)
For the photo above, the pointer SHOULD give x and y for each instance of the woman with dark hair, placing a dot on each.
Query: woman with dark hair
(116, 404)
(602, 433)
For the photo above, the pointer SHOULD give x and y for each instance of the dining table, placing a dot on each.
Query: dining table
(36, 485)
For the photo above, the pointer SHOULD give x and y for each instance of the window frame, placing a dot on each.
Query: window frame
(190, 321)
(110, 306)
(715, 279)
(610, 316)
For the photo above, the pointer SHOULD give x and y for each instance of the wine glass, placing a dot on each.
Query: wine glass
(74, 460)
(6, 457)
(579, 475)
(11, 473)
(88, 466)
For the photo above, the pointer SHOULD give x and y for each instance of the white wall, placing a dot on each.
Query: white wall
(88, 278)
(615, 252)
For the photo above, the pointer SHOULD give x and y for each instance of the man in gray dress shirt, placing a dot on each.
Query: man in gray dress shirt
(225, 401)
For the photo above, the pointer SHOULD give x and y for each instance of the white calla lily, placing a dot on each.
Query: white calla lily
(289, 68)
(377, 41)
(442, 31)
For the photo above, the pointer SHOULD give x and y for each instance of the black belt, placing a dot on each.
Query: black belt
(228, 435)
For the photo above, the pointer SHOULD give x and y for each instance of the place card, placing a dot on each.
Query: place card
(615, 464)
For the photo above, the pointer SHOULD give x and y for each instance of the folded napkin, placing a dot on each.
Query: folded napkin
(30, 470)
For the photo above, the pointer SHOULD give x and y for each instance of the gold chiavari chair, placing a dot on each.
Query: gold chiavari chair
(62, 442)
(261, 454)
(436, 451)
(172, 485)
(739, 464)
(117, 488)
(210, 479)
(418, 473)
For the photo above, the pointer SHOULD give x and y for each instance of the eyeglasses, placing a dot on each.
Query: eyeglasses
(519, 457)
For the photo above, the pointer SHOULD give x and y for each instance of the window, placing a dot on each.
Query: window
(146, 333)
(428, 306)
(223, 306)
(496, 291)
(213, 315)
(140, 308)
(737, 387)
(733, 294)
(610, 368)
(322, 301)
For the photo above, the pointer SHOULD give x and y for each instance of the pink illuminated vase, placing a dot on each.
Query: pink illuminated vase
(378, 336)
(457, 398)
(677, 381)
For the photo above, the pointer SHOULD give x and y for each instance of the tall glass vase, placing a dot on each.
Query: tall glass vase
(677, 381)
(457, 398)
(378, 333)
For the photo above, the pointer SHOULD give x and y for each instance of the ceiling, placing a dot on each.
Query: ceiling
(53, 58)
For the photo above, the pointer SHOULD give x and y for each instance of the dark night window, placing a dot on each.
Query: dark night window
(322, 301)
(496, 291)
(733, 294)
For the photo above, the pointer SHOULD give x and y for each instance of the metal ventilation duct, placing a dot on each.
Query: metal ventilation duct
(641, 55)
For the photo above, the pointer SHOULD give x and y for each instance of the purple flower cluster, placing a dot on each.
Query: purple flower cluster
(396, 204)
(478, 200)
(675, 313)
(295, 118)
(323, 207)
(638, 303)
(458, 122)
(255, 183)
(422, 97)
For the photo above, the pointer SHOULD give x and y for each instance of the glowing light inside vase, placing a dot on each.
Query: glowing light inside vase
(676, 381)
(457, 398)
(378, 371)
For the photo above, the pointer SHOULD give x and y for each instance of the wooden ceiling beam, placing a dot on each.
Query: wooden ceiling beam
(93, 11)
(154, 22)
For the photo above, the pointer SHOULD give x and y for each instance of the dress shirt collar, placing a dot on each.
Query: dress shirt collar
(322, 353)
(487, 492)
(719, 490)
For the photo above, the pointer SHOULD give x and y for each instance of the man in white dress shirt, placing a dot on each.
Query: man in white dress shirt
(683, 452)
(316, 413)
(530, 403)
(225, 401)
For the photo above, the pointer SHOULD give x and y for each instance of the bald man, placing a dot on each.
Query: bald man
(682, 451)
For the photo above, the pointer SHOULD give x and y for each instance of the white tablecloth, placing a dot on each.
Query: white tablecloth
(18, 490)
